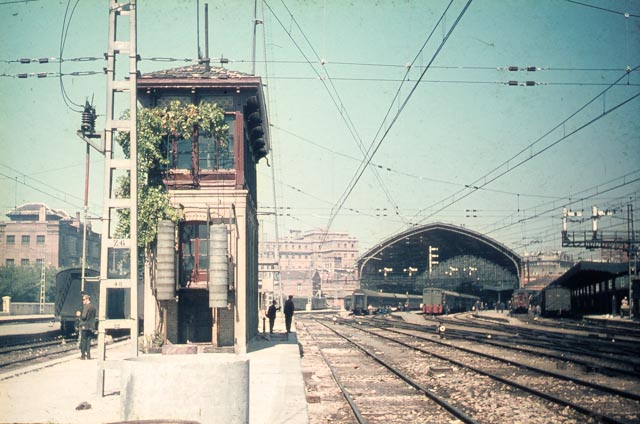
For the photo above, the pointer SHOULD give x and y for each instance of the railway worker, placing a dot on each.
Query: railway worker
(87, 326)
(624, 307)
(288, 312)
(271, 314)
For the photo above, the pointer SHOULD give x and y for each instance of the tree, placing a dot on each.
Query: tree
(156, 128)
(22, 283)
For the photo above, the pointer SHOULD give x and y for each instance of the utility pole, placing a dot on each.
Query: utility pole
(119, 253)
(632, 257)
(43, 278)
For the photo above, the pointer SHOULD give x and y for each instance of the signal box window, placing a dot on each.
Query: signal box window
(204, 152)
(194, 253)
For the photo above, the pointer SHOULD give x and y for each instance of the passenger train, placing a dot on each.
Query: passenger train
(361, 300)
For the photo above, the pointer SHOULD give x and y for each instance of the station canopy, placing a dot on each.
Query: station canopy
(586, 273)
(440, 255)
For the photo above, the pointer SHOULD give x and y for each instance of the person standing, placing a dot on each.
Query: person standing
(288, 312)
(271, 314)
(87, 325)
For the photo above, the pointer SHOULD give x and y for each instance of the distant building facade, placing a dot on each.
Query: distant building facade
(542, 268)
(309, 266)
(36, 234)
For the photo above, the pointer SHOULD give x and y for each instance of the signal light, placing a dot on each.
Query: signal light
(254, 128)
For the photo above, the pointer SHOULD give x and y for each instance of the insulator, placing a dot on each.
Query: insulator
(530, 83)
(23, 60)
(531, 68)
(23, 75)
(513, 68)
(42, 75)
(513, 82)
(43, 60)
(88, 119)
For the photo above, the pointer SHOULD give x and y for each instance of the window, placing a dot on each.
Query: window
(194, 253)
(39, 262)
(40, 239)
(24, 262)
(183, 153)
(10, 262)
(26, 239)
(206, 153)
(11, 239)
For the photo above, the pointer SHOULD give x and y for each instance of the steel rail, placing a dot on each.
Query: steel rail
(552, 398)
(440, 401)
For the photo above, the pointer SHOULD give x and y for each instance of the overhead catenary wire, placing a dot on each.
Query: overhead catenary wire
(369, 157)
(473, 186)
(604, 9)
(336, 99)
(63, 40)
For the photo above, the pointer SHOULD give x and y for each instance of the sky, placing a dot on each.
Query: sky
(423, 84)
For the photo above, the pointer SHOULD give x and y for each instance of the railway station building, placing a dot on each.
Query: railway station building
(213, 184)
(444, 256)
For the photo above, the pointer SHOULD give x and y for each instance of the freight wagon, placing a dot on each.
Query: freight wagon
(69, 297)
(556, 301)
(437, 301)
(362, 299)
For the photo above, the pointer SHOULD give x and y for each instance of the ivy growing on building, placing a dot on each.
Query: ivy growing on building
(156, 128)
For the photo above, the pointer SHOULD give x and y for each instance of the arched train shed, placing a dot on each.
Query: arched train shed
(441, 255)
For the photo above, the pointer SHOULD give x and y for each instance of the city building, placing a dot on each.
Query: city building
(36, 234)
(311, 264)
(542, 268)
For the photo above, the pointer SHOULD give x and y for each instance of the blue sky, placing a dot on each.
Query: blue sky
(463, 125)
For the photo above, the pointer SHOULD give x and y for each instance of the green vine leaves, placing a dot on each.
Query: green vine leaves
(157, 127)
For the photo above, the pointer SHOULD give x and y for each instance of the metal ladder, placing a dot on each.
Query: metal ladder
(119, 258)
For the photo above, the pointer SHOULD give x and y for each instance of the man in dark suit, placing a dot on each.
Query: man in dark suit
(271, 314)
(288, 313)
(87, 326)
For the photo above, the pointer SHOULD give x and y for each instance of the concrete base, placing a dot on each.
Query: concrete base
(203, 388)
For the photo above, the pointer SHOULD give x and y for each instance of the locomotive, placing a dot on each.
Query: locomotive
(520, 301)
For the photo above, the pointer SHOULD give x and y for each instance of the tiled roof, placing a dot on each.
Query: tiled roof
(196, 71)
(33, 209)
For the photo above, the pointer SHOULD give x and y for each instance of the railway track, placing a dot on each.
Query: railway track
(615, 362)
(485, 389)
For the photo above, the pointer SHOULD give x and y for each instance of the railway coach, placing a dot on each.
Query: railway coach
(437, 301)
(362, 299)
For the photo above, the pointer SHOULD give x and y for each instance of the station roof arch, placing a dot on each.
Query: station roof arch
(409, 250)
